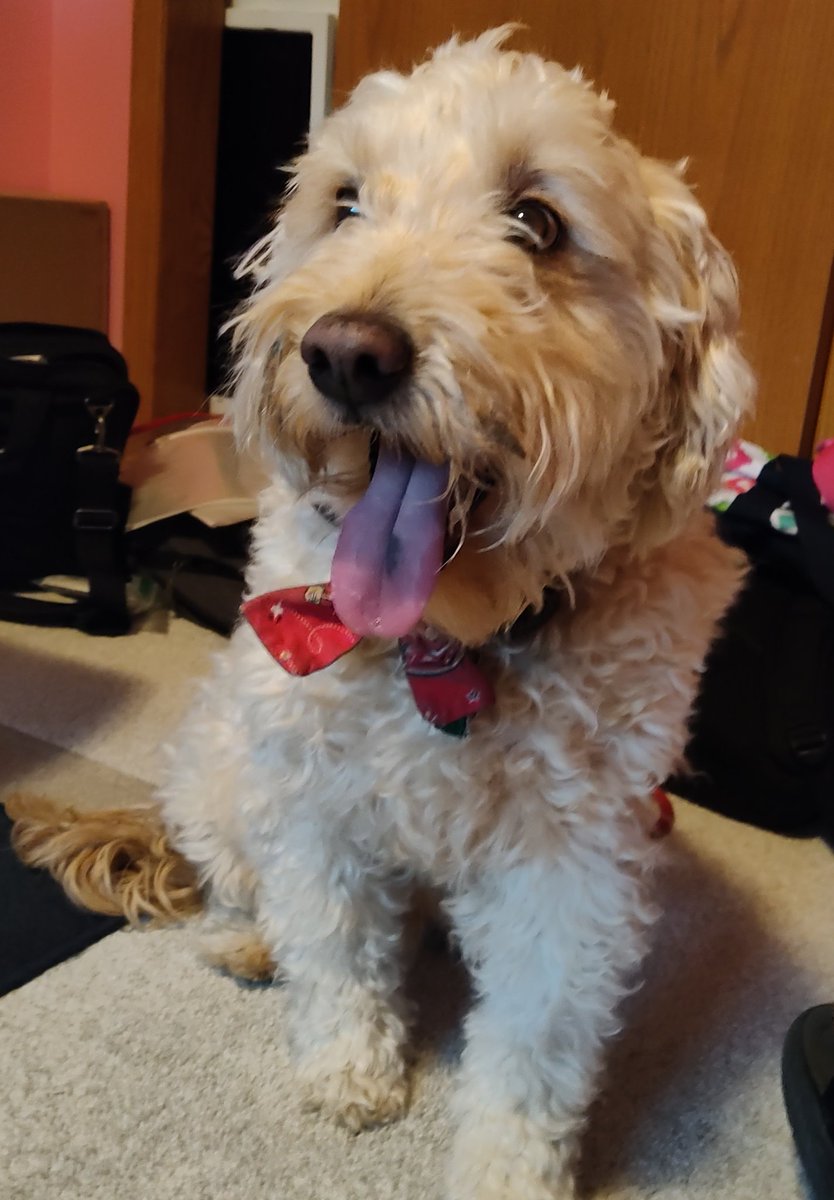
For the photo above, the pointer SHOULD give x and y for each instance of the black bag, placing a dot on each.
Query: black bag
(762, 745)
(66, 408)
(200, 569)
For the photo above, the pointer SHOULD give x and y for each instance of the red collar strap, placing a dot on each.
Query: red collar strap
(300, 629)
(665, 822)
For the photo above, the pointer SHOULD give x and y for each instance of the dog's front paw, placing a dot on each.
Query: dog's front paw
(509, 1158)
(358, 1079)
(357, 1099)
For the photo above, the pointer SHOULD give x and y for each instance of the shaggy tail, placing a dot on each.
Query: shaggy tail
(117, 861)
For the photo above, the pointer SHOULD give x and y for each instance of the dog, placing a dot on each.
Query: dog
(491, 359)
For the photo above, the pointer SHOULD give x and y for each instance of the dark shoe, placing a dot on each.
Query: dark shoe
(808, 1088)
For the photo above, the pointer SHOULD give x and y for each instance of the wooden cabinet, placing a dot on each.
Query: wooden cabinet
(745, 88)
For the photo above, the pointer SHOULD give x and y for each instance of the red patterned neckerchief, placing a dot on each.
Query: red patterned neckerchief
(300, 629)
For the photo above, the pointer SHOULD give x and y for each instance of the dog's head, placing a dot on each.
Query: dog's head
(477, 291)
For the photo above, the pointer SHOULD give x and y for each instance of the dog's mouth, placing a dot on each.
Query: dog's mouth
(392, 544)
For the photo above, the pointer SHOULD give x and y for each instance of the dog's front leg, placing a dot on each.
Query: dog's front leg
(548, 946)
(334, 924)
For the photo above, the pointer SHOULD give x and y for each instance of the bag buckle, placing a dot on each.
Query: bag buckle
(95, 520)
(99, 413)
(97, 450)
(809, 744)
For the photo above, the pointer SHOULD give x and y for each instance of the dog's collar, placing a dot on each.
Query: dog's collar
(532, 620)
(302, 631)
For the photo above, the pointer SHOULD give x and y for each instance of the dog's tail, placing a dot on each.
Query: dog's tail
(117, 861)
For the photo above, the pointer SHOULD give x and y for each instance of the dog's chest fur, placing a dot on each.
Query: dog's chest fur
(594, 707)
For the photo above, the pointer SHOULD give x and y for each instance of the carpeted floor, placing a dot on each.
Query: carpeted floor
(133, 1072)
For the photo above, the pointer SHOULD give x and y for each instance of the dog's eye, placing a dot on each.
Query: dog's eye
(535, 226)
(347, 204)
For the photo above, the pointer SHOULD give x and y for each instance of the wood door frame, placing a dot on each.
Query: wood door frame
(174, 105)
(820, 417)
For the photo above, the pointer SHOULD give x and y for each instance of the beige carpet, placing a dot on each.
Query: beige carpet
(133, 1073)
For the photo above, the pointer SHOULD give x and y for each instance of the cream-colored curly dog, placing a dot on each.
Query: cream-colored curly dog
(484, 317)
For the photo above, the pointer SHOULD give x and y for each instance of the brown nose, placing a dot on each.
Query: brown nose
(357, 358)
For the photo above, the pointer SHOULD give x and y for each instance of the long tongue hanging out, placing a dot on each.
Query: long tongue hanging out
(390, 547)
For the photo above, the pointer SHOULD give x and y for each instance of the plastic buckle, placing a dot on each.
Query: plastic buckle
(810, 744)
(95, 520)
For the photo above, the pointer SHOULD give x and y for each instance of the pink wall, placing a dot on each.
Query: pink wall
(65, 75)
(90, 117)
(25, 94)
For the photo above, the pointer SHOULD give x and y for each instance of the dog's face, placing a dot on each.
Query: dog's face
(477, 282)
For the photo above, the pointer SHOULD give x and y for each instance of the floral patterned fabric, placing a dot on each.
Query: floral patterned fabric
(302, 631)
(744, 463)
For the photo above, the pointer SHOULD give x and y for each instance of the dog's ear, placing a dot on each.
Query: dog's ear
(706, 386)
(252, 343)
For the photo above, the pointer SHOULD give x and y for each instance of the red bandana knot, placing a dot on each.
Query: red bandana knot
(301, 630)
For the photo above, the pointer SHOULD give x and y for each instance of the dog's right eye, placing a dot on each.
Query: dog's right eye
(535, 226)
(347, 204)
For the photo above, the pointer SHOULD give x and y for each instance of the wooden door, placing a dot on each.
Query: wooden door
(745, 88)
(175, 91)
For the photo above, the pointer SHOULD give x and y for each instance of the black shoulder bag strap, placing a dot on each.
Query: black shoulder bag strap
(98, 522)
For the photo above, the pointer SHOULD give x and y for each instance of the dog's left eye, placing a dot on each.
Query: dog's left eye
(347, 204)
(535, 226)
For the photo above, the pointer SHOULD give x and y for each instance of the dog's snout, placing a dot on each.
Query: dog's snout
(357, 359)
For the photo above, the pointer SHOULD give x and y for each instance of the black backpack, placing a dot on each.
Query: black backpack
(66, 408)
(762, 747)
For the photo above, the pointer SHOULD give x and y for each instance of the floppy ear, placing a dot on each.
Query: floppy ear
(707, 386)
(254, 346)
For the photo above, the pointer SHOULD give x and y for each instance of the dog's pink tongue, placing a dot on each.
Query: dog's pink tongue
(390, 547)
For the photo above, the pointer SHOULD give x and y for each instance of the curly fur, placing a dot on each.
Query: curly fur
(593, 393)
(114, 861)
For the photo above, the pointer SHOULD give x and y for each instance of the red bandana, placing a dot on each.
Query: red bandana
(300, 629)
